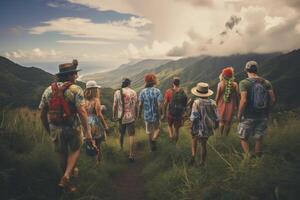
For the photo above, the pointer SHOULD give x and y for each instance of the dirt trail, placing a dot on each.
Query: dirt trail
(129, 182)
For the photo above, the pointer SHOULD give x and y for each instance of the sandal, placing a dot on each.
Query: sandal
(64, 182)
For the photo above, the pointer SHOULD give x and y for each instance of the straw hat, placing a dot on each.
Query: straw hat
(68, 68)
(202, 90)
(92, 84)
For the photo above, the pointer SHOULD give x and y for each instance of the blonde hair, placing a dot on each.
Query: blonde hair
(91, 93)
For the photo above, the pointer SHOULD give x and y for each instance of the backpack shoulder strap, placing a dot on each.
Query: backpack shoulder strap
(66, 85)
(122, 101)
(54, 87)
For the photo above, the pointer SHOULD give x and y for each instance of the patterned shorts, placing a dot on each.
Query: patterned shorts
(255, 127)
(152, 126)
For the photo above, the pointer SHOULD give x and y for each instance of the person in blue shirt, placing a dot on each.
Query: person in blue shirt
(151, 99)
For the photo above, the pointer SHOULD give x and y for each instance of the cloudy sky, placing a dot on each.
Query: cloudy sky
(111, 32)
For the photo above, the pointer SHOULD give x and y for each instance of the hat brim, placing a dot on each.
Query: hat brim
(208, 94)
(97, 86)
(68, 72)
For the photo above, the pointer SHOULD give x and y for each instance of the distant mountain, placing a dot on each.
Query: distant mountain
(202, 68)
(113, 78)
(21, 85)
(284, 72)
(165, 71)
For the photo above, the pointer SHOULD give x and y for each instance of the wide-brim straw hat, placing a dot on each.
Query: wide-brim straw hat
(92, 84)
(202, 90)
(67, 68)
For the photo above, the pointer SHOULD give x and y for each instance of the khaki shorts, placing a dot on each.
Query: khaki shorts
(66, 139)
(152, 126)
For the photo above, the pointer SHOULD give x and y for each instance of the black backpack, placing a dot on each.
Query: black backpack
(177, 105)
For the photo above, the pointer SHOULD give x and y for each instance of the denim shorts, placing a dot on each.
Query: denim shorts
(254, 127)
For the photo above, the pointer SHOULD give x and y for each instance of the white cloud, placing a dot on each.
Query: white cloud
(52, 5)
(88, 42)
(85, 28)
(273, 21)
(34, 54)
(155, 50)
(179, 28)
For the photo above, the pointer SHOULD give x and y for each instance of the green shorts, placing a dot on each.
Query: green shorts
(255, 127)
(66, 139)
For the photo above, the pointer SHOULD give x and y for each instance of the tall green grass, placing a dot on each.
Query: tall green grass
(228, 174)
(29, 168)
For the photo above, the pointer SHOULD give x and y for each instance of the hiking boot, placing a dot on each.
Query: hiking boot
(192, 161)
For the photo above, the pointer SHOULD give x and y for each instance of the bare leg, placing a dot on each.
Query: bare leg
(131, 141)
(245, 145)
(258, 149)
(171, 131)
(203, 151)
(99, 156)
(72, 159)
(176, 136)
(227, 127)
(121, 140)
(221, 127)
(194, 146)
(150, 136)
(156, 134)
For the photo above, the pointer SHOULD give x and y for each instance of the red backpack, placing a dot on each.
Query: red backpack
(59, 109)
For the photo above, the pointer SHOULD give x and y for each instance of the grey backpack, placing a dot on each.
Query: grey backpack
(259, 97)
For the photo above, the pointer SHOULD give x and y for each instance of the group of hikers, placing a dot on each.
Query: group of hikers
(70, 114)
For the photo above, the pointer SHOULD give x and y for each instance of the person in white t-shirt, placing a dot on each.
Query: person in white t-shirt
(125, 110)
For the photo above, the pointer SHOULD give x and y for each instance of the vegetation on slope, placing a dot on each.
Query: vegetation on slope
(29, 167)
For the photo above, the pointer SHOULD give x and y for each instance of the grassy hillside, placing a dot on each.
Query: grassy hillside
(21, 85)
(26, 173)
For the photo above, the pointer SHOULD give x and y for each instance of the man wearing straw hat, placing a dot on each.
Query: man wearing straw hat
(204, 119)
(62, 114)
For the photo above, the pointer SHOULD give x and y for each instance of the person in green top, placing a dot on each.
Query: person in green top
(257, 97)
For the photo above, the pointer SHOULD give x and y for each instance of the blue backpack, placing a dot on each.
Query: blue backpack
(259, 97)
